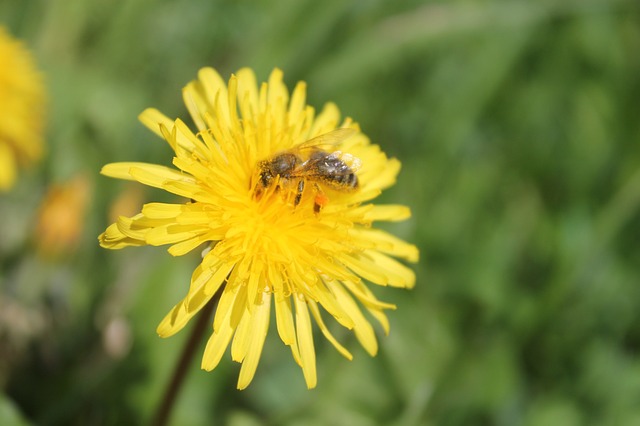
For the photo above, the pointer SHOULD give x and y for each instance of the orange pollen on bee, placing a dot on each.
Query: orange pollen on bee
(321, 199)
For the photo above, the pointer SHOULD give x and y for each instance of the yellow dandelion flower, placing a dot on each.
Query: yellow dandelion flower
(22, 100)
(61, 216)
(290, 232)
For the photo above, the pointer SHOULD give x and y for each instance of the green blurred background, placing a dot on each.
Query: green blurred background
(518, 126)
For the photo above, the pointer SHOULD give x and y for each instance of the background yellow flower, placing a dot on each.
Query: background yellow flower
(22, 99)
(61, 217)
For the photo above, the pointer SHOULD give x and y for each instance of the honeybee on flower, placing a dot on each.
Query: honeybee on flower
(309, 163)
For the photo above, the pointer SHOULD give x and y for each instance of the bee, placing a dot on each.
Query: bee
(308, 163)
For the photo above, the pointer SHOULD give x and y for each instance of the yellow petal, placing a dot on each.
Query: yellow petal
(175, 320)
(326, 121)
(305, 339)
(331, 305)
(232, 99)
(258, 333)
(297, 106)
(388, 212)
(365, 269)
(240, 343)
(172, 233)
(203, 287)
(232, 296)
(256, 280)
(248, 94)
(385, 242)
(195, 105)
(215, 88)
(157, 176)
(203, 273)
(380, 269)
(194, 217)
(152, 118)
(364, 295)
(186, 246)
(325, 331)
(196, 168)
(373, 305)
(112, 233)
(278, 94)
(216, 346)
(383, 178)
(170, 136)
(207, 286)
(113, 239)
(190, 190)
(130, 227)
(149, 174)
(219, 340)
(284, 320)
(190, 142)
(398, 275)
(219, 278)
(327, 265)
(362, 329)
(162, 210)
(284, 314)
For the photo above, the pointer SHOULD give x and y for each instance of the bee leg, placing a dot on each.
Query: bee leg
(278, 184)
(262, 183)
(257, 193)
(299, 193)
(320, 200)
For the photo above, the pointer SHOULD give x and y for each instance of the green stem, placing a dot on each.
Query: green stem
(163, 411)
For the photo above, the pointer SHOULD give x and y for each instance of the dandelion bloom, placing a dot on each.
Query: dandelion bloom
(305, 248)
(22, 99)
(61, 216)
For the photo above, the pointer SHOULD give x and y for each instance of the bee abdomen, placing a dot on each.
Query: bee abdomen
(346, 182)
(350, 180)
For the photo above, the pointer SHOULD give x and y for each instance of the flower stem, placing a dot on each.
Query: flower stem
(163, 411)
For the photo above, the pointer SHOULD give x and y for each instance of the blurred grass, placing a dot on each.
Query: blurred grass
(517, 125)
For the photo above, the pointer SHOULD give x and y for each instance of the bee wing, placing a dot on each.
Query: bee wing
(353, 162)
(329, 139)
(349, 160)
